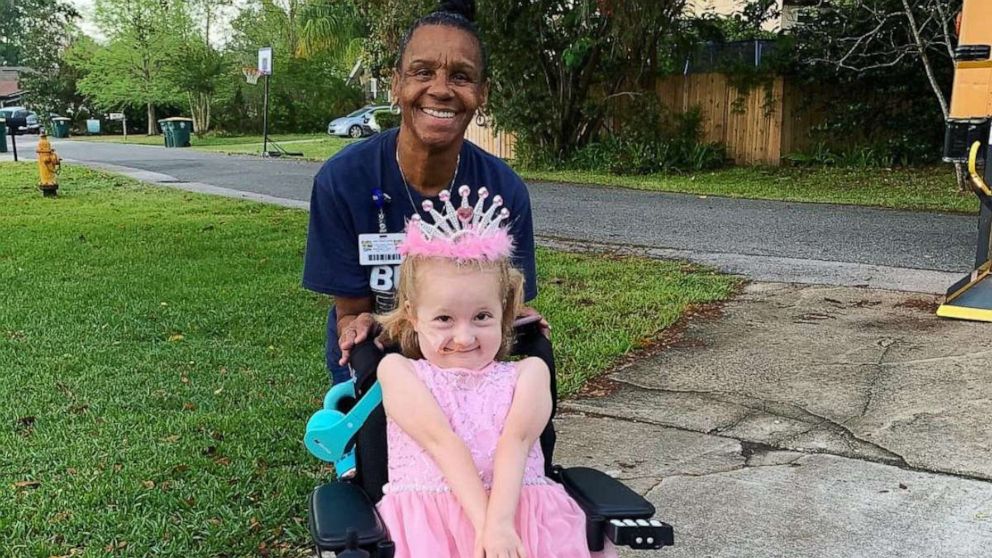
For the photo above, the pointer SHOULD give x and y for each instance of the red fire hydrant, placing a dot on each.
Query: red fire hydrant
(49, 166)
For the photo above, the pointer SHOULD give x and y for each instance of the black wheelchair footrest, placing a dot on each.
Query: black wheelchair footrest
(640, 534)
(336, 508)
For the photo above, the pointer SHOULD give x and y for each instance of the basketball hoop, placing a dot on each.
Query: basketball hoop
(251, 74)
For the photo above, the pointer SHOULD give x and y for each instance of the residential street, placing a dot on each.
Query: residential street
(824, 412)
(763, 240)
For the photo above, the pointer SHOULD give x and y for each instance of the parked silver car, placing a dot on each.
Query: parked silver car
(357, 124)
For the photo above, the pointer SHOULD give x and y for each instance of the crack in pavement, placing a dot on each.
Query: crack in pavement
(966, 356)
(901, 463)
(886, 343)
(801, 414)
(745, 465)
(733, 424)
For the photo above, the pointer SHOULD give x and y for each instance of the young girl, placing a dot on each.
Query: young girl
(465, 469)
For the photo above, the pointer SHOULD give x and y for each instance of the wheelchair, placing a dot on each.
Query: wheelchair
(350, 432)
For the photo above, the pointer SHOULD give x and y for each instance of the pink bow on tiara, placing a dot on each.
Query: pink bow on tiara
(463, 234)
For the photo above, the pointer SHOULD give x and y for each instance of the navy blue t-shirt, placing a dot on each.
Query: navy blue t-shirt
(341, 208)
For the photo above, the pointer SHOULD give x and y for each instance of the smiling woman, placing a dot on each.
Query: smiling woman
(439, 83)
(368, 191)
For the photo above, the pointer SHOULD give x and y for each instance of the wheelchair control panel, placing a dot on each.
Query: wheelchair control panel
(640, 534)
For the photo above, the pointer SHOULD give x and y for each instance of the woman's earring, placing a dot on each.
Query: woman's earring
(394, 108)
(481, 120)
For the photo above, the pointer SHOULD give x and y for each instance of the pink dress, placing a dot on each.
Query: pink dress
(422, 514)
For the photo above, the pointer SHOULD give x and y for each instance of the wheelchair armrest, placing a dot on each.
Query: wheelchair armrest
(339, 507)
(613, 510)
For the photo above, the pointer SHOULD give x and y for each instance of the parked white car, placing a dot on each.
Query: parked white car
(358, 124)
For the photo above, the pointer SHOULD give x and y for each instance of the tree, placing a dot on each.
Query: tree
(36, 34)
(208, 12)
(200, 72)
(556, 63)
(387, 21)
(134, 68)
(52, 88)
(875, 39)
(305, 92)
(30, 30)
(331, 26)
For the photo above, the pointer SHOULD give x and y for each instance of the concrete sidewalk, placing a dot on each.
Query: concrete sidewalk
(804, 421)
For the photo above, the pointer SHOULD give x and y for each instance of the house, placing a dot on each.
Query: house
(787, 10)
(10, 89)
(376, 90)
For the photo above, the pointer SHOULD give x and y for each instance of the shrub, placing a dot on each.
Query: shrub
(893, 152)
(387, 119)
(646, 141)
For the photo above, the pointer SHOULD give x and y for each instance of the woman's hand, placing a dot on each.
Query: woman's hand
(356, 331)
(528, 314)
(499, 540)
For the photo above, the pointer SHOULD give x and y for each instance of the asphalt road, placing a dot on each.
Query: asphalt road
(777, 241)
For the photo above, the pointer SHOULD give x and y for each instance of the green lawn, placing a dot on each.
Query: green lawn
(929, 188)
(159, 360)
(315, 147)
(318, 149)
(197, 142)
(925, 189)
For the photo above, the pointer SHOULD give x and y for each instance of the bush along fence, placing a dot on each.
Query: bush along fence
(758, 126)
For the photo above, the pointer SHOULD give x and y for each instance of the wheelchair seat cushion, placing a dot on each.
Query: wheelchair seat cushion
(338, 506)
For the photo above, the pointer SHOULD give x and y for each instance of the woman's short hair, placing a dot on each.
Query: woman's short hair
(398, 325)
(459, 14)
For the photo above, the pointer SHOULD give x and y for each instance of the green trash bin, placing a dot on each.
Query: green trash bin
(177, 131)
(60, 127)
(3, 135)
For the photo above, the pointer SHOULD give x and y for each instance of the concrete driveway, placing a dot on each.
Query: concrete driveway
(804, 421)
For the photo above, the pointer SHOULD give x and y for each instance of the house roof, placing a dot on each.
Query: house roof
(9, 89)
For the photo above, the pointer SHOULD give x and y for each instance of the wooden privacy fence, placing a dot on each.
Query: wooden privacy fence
(499, 144)
(759, 126)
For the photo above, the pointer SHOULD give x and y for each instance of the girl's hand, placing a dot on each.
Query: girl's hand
(499, 540)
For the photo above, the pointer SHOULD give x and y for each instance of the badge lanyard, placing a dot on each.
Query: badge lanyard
(379, 198)
(379, 251)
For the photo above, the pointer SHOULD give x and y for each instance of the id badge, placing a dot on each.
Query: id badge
(379, 249)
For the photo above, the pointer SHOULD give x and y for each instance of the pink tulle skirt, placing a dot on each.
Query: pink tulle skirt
(433, 525)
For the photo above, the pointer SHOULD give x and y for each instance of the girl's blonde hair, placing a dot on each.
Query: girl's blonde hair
(398, 325)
